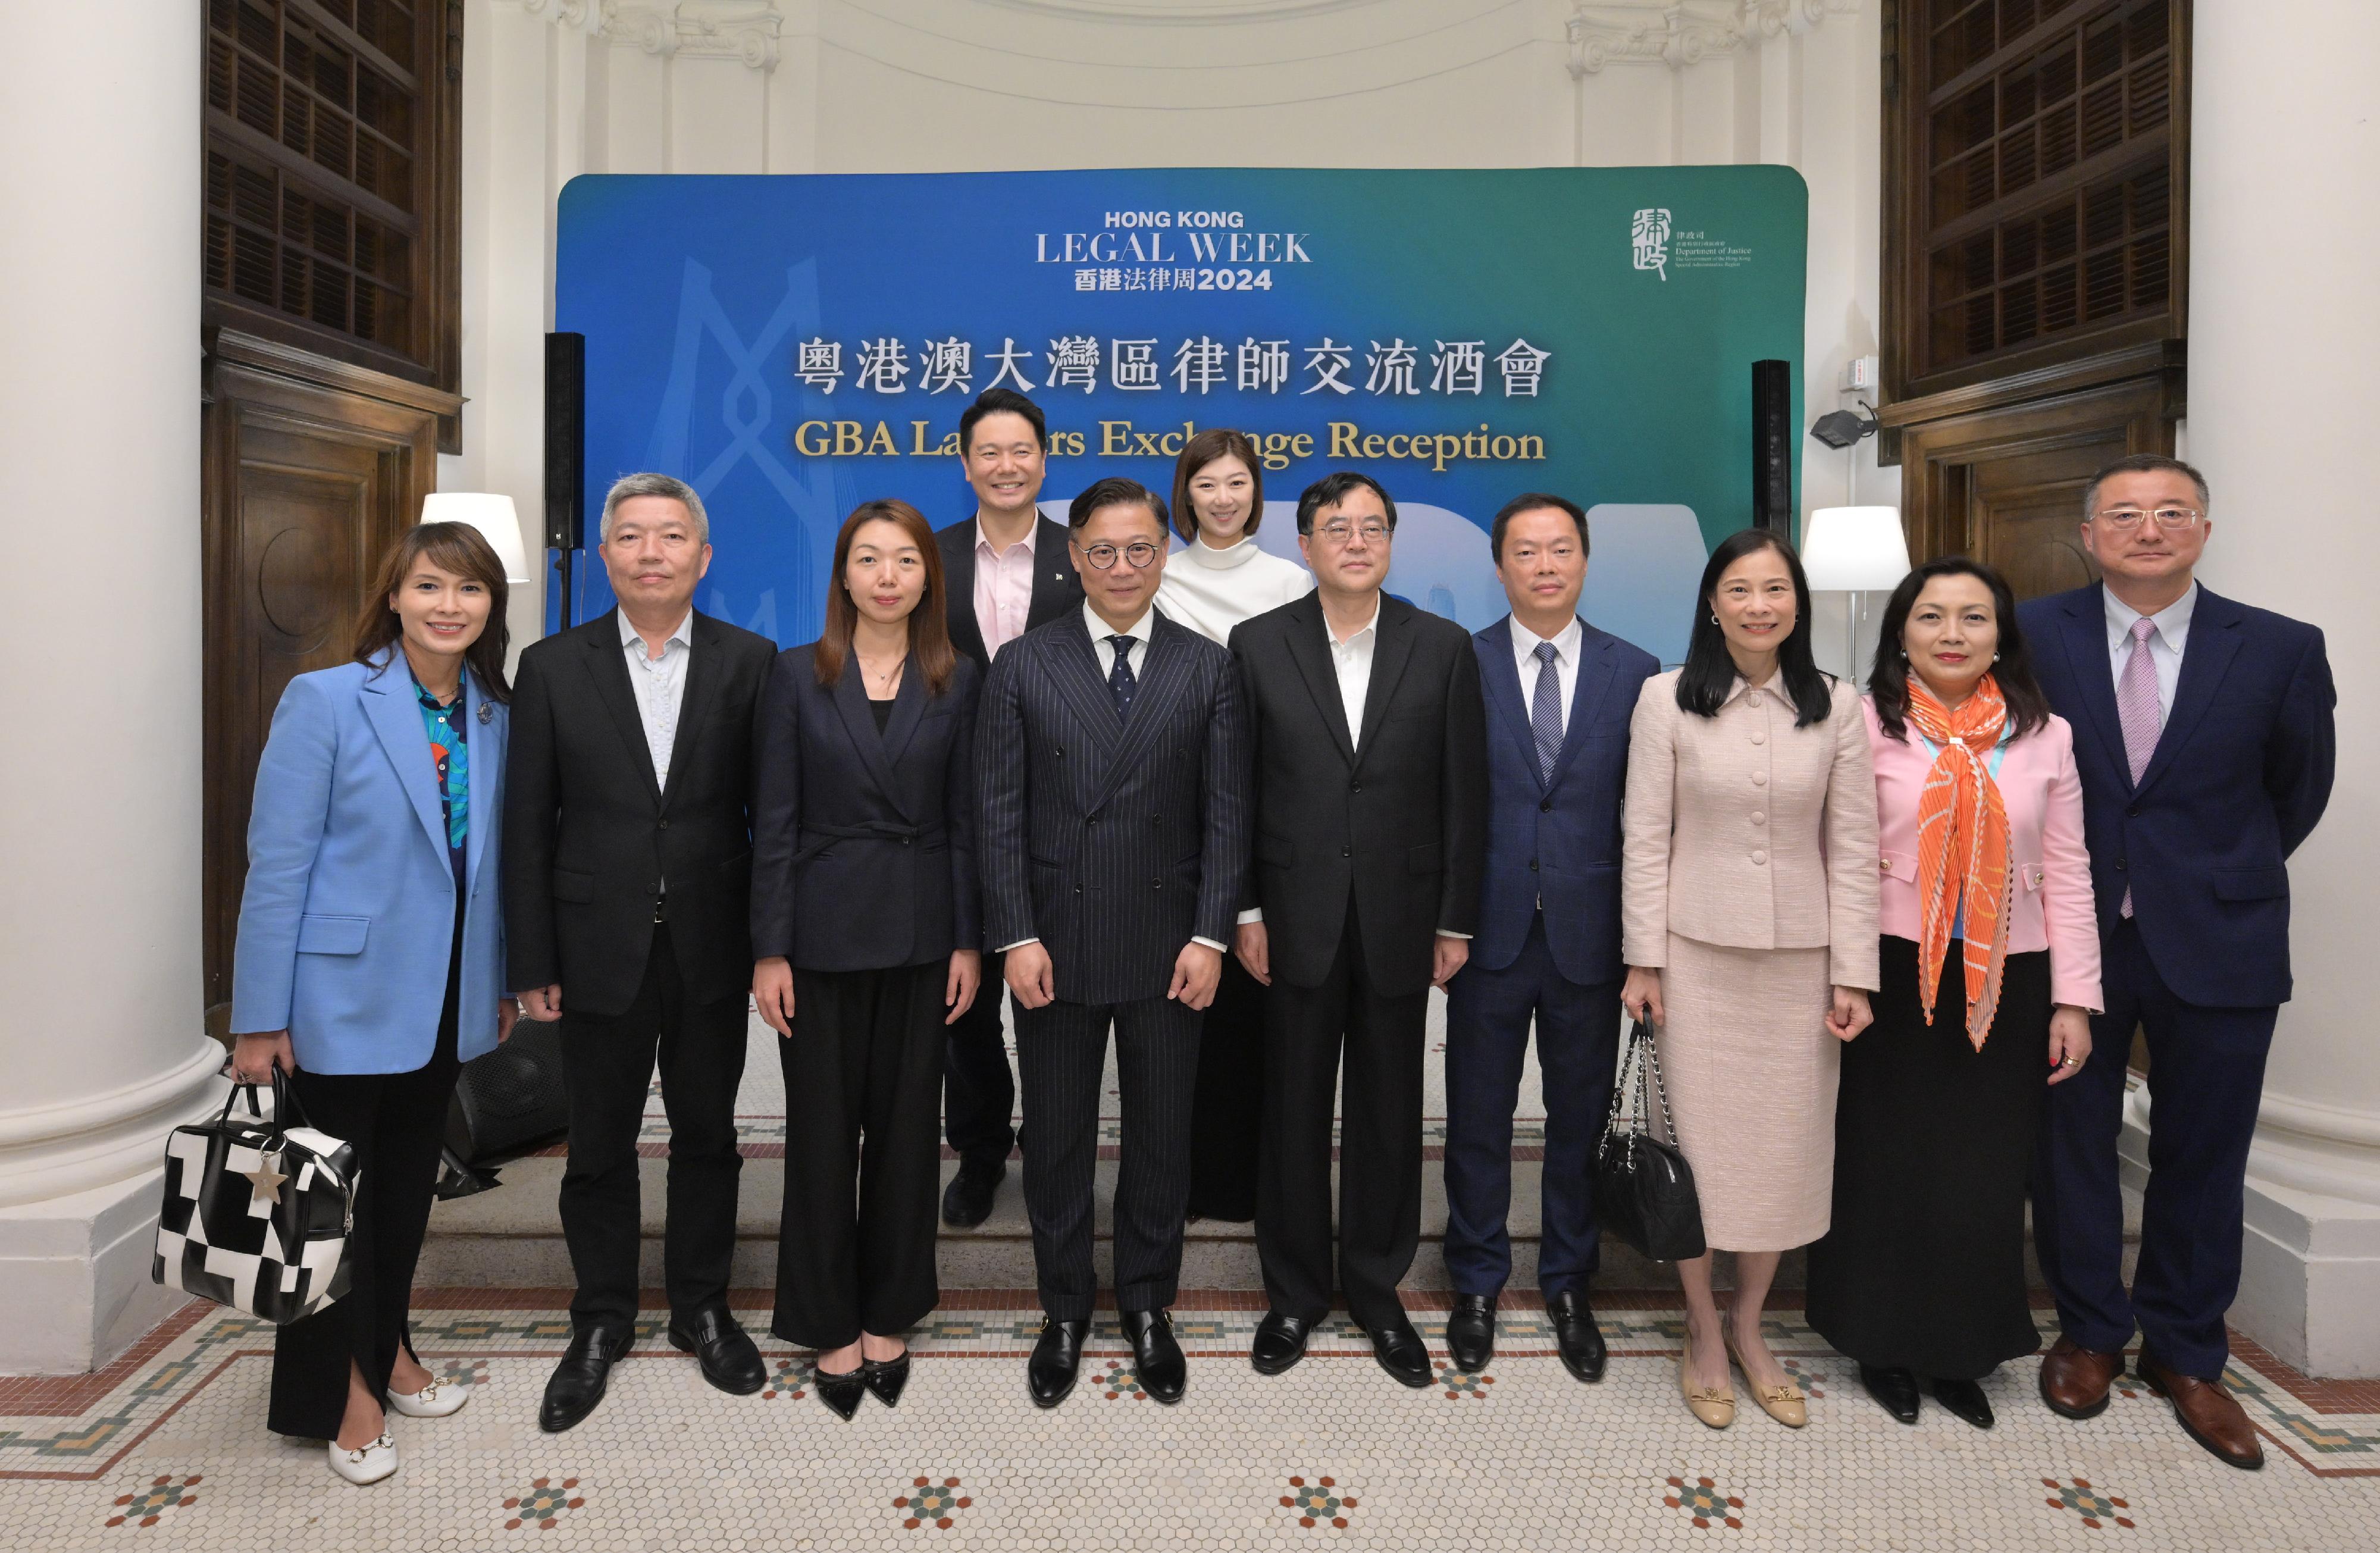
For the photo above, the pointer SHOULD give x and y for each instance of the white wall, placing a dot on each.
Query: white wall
(556, 88)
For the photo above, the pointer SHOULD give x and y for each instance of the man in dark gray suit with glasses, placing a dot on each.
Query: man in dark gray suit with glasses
(1114, 845)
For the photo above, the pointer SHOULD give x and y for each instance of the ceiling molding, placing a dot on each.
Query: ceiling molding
(745, 31)
(1682, 32)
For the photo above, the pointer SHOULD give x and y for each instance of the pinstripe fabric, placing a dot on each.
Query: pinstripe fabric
(1112, 841)
(1060, 1051)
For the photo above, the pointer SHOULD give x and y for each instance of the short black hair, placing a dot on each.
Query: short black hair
(1115, 492)
(1001, 401)
(1331, 490)
(1530, 501)
(2142, 464)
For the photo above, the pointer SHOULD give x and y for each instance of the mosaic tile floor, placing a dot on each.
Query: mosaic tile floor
(167, 1449)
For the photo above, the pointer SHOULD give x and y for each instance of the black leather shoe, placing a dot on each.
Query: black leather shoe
(885, 1377)
(1963, 1397)
(1401, 1353)
(1049, 1374)
(1471, 1332)
(967, 1201)
(1156, 1357)
(728, 1358)
(841, 1392)
(1280, 1342)
(1894, 1390)
(1576, 1336)
(577, 1382)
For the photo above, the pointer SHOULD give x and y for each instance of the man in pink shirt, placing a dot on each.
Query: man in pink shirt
(1006, 572)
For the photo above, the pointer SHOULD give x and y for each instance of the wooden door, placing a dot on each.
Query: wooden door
(306, 484)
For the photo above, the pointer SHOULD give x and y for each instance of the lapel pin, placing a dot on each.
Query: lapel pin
(487, 711)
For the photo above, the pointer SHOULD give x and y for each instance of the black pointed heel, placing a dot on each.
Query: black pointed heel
(885, 1377)
(841, 1392)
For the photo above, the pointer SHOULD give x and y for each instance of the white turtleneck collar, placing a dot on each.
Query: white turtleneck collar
(1199, 552)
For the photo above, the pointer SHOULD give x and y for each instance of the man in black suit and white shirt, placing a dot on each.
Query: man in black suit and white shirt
(1007, 573)
(627, 894)
(1371, 788)
(1112, 847)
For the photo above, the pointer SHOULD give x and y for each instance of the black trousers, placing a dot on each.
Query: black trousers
(863, 1075)
(1489, 1017)
(1380, 1152)
(1923, 1264)
(978, 1087)
(1227, 1116)
(397, 1122)
(1061, 1053)
(2206, 1077)
(607, 1070)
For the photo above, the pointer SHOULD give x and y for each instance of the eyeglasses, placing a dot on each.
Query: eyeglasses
(2166, 517)
(1340, 530)
(1102, 557)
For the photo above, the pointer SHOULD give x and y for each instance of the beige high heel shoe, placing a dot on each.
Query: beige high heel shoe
(1785, 1404)
(1715, 1405)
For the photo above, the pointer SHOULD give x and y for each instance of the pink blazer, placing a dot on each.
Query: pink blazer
(2043, 795)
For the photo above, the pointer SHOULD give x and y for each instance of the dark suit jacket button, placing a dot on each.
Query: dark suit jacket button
(1078, 890)
(2134, 812)
(1546, 806)
(1093, 820)
(1346, 852)
(904, 840)
(1156, 884)
(1533, 865)
(1354, 787)
(2119, 864)
(665, 824)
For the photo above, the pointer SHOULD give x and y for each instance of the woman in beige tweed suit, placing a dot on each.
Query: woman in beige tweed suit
(1749, 925)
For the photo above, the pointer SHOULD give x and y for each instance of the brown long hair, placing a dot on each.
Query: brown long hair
(929, 632)
(1216, 442)
(451, 547)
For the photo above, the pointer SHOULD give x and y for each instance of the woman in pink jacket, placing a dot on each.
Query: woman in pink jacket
(1990, 970)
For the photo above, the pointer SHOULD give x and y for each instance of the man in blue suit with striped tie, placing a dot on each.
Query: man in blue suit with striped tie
(1560, 694)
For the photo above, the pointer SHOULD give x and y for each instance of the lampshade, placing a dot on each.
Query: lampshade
(491, 515)
(1854, 549)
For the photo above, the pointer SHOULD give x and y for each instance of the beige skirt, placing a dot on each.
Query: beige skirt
(1751, 1071)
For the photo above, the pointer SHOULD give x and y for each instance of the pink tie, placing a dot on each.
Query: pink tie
(2136, 707)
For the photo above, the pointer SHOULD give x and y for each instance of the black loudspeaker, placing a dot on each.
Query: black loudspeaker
(1772, 446)
(510, 1099)
(565, 442)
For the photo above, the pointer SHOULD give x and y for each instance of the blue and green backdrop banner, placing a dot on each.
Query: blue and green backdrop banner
(794, 346)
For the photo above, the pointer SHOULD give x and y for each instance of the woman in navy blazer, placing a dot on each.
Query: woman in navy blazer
(370, 952)
(865, 920)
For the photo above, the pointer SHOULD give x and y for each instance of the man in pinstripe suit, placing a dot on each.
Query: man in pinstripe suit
(1115, 780)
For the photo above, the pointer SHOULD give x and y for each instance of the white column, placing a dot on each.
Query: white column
(99, 837)
(2284, 334)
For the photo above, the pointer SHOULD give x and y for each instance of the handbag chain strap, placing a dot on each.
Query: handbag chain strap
(1642, 1063)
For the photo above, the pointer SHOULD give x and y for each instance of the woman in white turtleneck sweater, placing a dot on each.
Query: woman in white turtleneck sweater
(1219, 579)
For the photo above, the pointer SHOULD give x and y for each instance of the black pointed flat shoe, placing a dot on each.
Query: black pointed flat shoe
(841, 1392)
(884, 1377)
(1894, 1390)
(1965, 1400)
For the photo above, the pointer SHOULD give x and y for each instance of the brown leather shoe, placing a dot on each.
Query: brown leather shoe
(2209, 1413)
(2074, 1380)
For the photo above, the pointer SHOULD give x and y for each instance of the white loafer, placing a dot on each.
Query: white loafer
(432, 1401)
(370, 1464)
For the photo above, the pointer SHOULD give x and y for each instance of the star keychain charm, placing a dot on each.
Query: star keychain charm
(265, 1181)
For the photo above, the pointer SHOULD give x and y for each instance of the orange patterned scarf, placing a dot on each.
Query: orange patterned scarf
(1962, 849)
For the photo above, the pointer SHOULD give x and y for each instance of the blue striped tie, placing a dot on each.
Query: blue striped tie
(1545, 712)
(1121, 685)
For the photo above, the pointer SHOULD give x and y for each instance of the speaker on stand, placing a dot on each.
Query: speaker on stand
(1772, 447)
(566, 458)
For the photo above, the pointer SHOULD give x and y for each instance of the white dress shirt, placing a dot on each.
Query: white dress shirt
(2166, 644)
(1524, 656)
(1351, 662)
(1139, 631)
(659, 684)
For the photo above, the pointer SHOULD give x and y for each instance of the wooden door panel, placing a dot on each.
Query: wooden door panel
(306, 484)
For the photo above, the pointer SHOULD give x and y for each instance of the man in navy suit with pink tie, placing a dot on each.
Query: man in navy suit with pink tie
(2204, 731)
(1559, 694)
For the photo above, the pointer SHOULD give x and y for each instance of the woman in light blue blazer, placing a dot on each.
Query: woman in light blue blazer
(369, 964)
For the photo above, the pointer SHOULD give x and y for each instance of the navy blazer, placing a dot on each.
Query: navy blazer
(1557, 842)
(347, 919)
(1057, 587)
(2241, 772)
(863, 844)
(1114, 841)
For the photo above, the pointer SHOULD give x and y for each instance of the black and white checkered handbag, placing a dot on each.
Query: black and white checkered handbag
(257, 1213)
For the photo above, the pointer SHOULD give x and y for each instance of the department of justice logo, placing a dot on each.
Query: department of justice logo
(1650, 235)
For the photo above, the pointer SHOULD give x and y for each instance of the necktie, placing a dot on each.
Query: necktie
(2137, 710)
(1545, 712)
(1121, 685)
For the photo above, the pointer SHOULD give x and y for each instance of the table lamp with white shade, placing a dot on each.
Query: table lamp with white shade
(492, 515)
(1853, 549)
